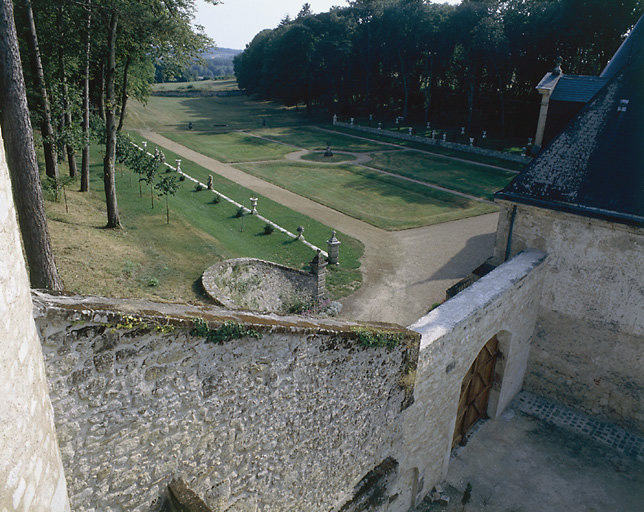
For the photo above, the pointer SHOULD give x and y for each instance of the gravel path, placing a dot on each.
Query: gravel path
(404, 272)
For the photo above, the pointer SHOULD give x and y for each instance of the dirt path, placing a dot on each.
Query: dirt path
(404, 272)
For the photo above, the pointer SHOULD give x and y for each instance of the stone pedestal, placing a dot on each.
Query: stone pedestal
(333, 248)
(318, 267)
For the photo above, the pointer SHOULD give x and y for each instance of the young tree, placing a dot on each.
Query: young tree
(167, 185)
(88, 47)
(21, 158)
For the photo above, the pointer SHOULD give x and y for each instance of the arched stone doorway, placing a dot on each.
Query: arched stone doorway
(478, 383)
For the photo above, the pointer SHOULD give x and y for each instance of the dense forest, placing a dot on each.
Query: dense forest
(475, 64)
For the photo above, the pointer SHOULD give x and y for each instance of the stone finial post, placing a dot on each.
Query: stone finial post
(178, 164)
(433, 134)
(428, 125)
(471, 141)
(300, 232)
(318, 267)
(351, 121)
(253, 205)
(444, 137)
(335, 119)
(484, 135)
(462, 130)
(379, 126)
(529, 141)
(370, 117)
(145, 145)
(410, 130)
(210, 182)
(333, 248)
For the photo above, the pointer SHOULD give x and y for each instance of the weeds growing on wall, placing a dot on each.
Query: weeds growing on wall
(227, 331)
(369, 338)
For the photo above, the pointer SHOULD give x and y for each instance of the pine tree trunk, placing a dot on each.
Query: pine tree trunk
(124, 94)
(101, 93)
(47, 132)
(67, 116)
(113, 220)
(85, 160)
(21, 158)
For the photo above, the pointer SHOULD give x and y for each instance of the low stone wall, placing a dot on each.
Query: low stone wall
(438, 142)
(291, 421)
(504, 304)
(258, 285)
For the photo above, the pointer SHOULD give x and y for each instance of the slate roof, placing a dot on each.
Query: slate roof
(595, 166)
(577, 88)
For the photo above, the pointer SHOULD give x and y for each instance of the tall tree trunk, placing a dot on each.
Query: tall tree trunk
(88, 44)
(101, 93)
(124, 94)
(47, 132)
(21, 158)
(67, 116)
(405, 81)
(113, 220)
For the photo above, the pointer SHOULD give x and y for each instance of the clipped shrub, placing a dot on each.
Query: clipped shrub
(198, 187)
(268, 229)
(182, 178)
(241, 212)
(216, 199)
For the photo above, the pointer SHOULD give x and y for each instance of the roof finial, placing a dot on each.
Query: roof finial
(557, 69)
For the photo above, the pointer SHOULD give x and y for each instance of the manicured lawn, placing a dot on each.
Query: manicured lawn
(230, 147)
(434, 149)
(467, 178)
(381, 200)
(337, 157)
(149, 258)
(218, 114)
(317, 140)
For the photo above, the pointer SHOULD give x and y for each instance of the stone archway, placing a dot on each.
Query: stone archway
(478, 383)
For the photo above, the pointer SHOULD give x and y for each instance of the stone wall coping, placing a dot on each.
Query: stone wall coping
(478, 296)
(232, 261)
(109, 310)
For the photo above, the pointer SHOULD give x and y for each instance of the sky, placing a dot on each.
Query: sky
(234, 23)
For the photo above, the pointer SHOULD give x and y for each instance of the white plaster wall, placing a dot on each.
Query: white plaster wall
(504, 302)
(291, 421)
(31, 474)
(589, 341)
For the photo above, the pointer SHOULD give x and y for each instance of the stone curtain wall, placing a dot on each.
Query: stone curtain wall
(291, 421)
(502, 303)
(31, 474)
(438, 142)
(590, 330)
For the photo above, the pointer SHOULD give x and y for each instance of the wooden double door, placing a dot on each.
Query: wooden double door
(475, 391)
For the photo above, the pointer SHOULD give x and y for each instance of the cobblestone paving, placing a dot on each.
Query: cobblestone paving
(561, 416)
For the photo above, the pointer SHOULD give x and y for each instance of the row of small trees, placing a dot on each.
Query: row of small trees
(147, 167)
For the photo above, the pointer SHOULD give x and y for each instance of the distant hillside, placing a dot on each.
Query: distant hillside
(218, 64)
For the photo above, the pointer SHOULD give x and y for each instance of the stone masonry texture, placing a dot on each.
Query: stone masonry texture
(291, 421)
(31, 473)
(587, 349)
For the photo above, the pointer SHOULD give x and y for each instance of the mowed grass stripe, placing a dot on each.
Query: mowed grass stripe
(230, 147)
(383, 201)
(459, 176)
(316, 140)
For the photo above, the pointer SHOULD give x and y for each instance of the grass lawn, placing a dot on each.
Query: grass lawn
(229, 84)
(380, 200)
(460, 176)
(317, 140)
(149, 258)
(219, 114)
(515, 166)
(337, 157)
(230, 147)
